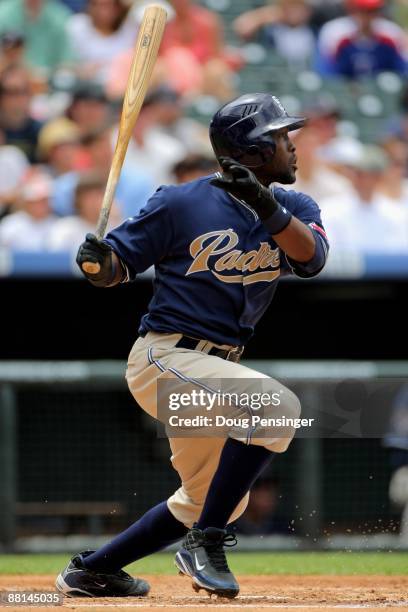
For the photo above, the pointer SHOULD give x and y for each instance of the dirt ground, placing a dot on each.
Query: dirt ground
(303, 593)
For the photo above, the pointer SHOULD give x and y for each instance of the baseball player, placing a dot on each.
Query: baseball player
(219, 245)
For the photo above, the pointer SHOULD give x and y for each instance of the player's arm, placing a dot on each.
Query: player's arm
(304, 241)
(132, 247)
(299, 265)
(299, 241)
(112, 270)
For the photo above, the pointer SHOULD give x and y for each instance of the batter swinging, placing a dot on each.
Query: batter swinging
(219, 246)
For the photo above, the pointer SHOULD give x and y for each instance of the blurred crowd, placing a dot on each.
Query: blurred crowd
(361, 189)
(63, 73)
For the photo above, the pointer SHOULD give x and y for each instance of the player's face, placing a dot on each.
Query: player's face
(282, 168)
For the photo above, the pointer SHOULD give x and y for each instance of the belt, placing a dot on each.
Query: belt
(233, 354)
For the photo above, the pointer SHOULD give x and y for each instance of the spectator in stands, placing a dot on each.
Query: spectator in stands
(43, 25)
(153, 139)
(260, 517)
(13, 166)
(99, 35)
(365, 222)
(166, 106)
(28, 228)
(323, 117)
(68, 233)
(286, 27)
(194, 39)
(394, 182)
(11, 50)
(134, 186)
(58, 146)
(362, 43)
(193, 167)
(341, 154)
(314, 176)
(16, 123)
(325, 10)
(89, 107)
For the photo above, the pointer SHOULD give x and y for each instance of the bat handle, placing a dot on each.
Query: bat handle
(90, 267)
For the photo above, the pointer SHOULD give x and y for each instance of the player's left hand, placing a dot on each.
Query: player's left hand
(95, 251)
(239, 181)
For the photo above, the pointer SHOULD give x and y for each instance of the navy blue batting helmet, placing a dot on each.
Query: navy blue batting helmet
(243, 129)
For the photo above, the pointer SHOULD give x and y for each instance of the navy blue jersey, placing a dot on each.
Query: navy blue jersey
(216, 266)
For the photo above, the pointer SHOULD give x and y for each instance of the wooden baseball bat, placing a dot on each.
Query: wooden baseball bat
(146, 50)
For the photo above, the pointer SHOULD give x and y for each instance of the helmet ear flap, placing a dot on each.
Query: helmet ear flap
(256, 156)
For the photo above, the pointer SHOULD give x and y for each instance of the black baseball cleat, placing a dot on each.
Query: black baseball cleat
(77, 581)
(202, 557)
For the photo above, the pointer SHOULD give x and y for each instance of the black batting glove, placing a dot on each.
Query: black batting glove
(239, 181)
(96, 251)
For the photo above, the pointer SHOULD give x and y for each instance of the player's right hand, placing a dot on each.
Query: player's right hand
(98, 252)
(242, 183)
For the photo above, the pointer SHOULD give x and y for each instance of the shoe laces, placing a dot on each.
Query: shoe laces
(216, 552)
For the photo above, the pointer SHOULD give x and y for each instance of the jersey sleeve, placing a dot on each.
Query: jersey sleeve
(307, 211)
(144, 240)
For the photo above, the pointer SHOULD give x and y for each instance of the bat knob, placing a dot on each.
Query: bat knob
(90, 267)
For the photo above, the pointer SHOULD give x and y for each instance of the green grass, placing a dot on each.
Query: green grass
(298, 563)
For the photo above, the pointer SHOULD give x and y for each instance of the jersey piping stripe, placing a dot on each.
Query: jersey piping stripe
(162, 368)
(154, 361)
(317, 228)
(219, 175)
(325, 249)
(245, 205)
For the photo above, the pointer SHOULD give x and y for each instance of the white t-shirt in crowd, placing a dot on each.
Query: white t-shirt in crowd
(156, 158)
(357, 227)
(92, 47)
(21, 232)
(402, 201)
(324, 184)
(295, 44)
(68, 233)
(13, 165)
